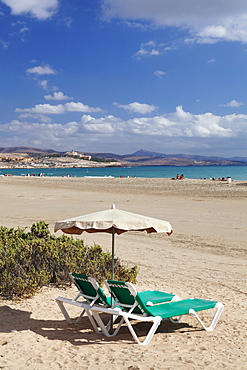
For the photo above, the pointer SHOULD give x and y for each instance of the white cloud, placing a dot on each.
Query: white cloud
(232, 104)
(137, 107)
(20, 26)
(152, 48)
(24, 29)
(177, 124)
(189, 130)
(159, 74)
(57, 95)
(80, 107)
(43, 84)
(41, 70)
(230, 31)
(207, 21)
(44, 109)
(138, 25)
(105, 125)
(39, 117)
(67, 21)
(4, 44)
(40, 9)
(58, 109)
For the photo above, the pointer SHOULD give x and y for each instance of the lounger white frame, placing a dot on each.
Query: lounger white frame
(97, 323)
(127, 316)
(93, 312)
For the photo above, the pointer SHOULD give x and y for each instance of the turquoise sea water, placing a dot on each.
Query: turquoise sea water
(191, 172)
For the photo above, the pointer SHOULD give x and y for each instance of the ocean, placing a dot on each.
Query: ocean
(190, 172)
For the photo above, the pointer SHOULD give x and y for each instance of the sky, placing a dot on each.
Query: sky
(123, 75)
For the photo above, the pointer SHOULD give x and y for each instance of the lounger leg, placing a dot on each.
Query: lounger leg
(118, 327)
(217, 315)
(91, 317)
(104, 328)
(65, 312)
(95, 318)
(110, 322)
(152, 331)
(156, 322)
(115, 332)
(175, 321)
(79, 318)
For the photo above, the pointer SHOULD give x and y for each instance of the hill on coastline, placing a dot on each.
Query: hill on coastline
(27, 150)
(138, 158)
(144, 157)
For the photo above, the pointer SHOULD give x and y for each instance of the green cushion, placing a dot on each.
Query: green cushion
(122, 295)
(85, 287)
(155, 296)
(177, 308)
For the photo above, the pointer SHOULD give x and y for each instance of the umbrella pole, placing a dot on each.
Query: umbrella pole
(112, 275)
(112, 251)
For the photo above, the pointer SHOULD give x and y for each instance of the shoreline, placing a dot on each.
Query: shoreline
(225, 173)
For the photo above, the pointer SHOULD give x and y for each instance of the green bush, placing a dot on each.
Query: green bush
(32, 259)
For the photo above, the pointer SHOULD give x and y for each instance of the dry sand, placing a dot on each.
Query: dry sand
(205, 257)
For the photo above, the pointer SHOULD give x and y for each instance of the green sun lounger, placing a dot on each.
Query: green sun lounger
(157, 312)
(90, 294)
(122, 294)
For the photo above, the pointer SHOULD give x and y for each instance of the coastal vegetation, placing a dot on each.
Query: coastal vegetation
(103, 160)
(35, 258)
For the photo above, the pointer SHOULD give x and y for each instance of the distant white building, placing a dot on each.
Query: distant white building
(75, 154)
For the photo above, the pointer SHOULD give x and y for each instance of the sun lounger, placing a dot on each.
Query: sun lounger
(94, 296)
(158, 312)
(122, 294)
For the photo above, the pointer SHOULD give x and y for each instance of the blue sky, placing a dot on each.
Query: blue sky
(123, 75)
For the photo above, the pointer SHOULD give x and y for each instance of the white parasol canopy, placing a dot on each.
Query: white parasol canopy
(113, 221)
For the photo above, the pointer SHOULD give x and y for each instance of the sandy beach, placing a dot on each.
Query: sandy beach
(205, 257)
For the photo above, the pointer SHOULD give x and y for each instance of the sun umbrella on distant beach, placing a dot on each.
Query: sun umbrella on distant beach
(113, 221)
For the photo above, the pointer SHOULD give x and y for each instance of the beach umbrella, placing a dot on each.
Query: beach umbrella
(112, 221)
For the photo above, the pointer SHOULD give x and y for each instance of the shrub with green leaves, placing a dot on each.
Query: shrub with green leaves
(32, 259)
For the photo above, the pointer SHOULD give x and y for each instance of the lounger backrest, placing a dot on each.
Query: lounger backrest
(125, 295)
(89, 289)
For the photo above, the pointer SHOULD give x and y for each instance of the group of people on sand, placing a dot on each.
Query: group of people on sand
(228, 179)
(178, 177)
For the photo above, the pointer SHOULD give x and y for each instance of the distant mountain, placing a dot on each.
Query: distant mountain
(145, 157)
(145, 153)
(140, 157)
(241, 159)
(27, 150)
